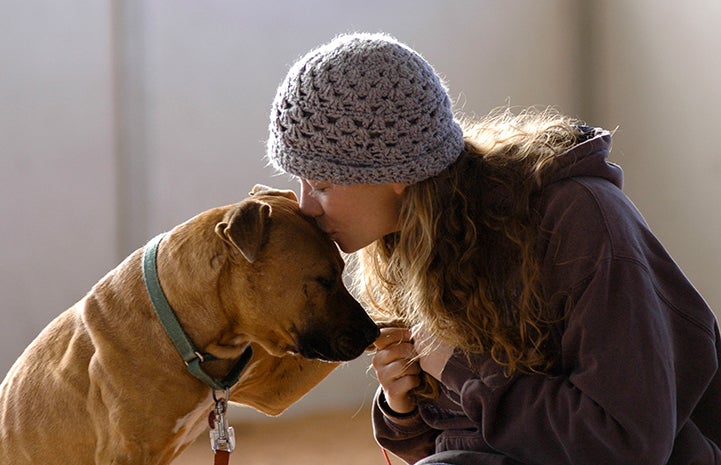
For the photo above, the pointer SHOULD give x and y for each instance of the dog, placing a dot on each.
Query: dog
(103, 382)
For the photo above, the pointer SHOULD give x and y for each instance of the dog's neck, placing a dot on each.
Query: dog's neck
(203, 314)
(192, 356)
(229, 353)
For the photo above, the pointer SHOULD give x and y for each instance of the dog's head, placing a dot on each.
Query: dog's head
(287, 281)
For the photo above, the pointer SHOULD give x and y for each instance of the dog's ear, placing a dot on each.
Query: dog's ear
(261, 189)
(245, 228)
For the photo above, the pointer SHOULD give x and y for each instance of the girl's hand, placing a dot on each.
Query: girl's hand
(396, 369)
(434, 354)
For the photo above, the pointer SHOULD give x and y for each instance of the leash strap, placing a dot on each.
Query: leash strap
(185, 347)
(222, 457)
(385, 456)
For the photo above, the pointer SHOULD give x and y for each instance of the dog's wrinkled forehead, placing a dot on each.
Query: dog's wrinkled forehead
(260, 189)
(285, 199)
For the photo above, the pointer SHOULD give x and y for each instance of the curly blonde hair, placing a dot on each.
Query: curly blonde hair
(464, 264)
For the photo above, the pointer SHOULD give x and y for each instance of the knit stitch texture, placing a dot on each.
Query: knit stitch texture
(365, 109)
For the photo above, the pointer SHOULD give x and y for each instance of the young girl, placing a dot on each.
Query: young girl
(541, 322)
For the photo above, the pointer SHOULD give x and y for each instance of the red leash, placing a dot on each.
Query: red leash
(222, 436)
(385, 456)
(222, 457)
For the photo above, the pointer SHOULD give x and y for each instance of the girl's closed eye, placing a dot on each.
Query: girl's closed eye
(319, 188)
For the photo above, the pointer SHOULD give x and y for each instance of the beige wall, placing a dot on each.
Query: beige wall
(57, 158)
(657, 76)
(119, 119)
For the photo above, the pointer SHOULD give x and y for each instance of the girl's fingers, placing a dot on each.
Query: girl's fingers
(390, 336)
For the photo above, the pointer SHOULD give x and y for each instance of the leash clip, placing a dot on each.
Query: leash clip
(222, 436)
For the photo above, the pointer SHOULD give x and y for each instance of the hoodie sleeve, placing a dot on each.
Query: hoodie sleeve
(637, 347)
(408, 436)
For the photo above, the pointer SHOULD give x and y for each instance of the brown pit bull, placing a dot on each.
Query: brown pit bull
(103, 384)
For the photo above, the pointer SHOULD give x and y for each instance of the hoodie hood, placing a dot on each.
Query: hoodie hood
(588, 158)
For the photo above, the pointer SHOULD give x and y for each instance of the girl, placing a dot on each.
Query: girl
(541, 320)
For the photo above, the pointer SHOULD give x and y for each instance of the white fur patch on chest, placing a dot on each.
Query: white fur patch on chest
(189, 427)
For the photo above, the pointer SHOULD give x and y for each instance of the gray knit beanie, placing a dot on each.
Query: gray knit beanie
(365, 109)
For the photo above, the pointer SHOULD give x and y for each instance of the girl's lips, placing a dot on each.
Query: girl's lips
(332, 234)
(328, 231)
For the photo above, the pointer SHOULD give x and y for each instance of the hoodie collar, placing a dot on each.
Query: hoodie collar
(587, 158)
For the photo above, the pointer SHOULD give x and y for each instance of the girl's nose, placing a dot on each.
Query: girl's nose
(308, 205)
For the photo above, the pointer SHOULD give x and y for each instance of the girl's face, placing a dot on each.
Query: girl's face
(352, 215)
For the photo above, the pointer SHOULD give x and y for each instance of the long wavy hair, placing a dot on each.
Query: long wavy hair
(464, 264)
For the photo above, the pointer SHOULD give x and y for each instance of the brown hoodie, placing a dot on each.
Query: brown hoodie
(638, 378)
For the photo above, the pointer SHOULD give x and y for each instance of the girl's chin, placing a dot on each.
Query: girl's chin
(345, 246)
(346, 249)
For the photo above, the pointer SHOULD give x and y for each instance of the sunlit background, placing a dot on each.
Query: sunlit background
(120, 119)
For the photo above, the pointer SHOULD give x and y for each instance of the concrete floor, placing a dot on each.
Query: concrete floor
(337, 438)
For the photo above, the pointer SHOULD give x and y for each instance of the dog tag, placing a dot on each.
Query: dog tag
(222, 436)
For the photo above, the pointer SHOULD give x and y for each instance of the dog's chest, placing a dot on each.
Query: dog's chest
(189, 427)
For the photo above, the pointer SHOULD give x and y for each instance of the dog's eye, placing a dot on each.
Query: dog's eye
(327, 283)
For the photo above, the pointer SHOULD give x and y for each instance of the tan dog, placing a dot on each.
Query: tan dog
(103, 384)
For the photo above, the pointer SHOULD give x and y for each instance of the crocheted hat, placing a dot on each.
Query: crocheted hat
(366, 109)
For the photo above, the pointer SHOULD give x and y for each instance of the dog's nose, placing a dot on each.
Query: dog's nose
(371, 333)
(351, 346)
(364, 336)
(348, 343)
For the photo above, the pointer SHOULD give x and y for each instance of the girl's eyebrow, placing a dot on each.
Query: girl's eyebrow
(316, 184)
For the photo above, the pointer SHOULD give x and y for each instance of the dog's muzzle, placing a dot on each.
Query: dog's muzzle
(341, 345)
